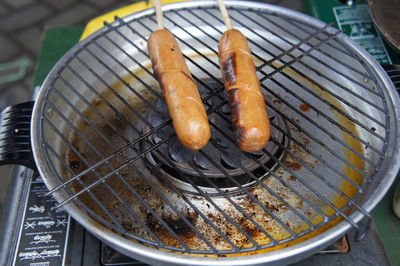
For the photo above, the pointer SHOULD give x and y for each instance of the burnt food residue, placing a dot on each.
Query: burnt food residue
(293, 165)
(304, 107)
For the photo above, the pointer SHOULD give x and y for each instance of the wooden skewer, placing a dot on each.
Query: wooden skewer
(225, 14)
(159, 14)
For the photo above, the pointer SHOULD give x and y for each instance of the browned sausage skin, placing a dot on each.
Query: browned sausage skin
(183, 100)
(249, 115)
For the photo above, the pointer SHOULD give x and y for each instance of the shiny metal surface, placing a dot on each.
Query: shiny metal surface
(348, 94)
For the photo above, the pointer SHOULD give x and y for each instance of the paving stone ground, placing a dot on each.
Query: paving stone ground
(22, 23)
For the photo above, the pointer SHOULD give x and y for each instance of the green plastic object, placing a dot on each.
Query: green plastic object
(56, 42)
(14, 71)
(356, 22)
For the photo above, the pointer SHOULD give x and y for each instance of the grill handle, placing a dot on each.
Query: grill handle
(15, 135)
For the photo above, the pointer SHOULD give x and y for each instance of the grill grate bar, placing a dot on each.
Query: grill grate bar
(331, 36)
(338, 110)
(183, 196)
(347, 51)
(303, 63)
(252, 240)
(320, 85)
(138, 140)
(115, 221)
(262, 184)
(110, 174)
(257, 180)
(303, 41)
(326, 147)
(271, 74)
(116, 172)
(315, 156)
(300, 113)
(306, 184)
(328, 215)
(137, 219)
(342, 74)
(133, 110)
(121, 177)
(332, 121)
(276, 160)
(321, 74)
(333, 187)
(209, 181)
(126, 147)
(157, 93)
(318, 126)
(319, 195)
(226, 216)
(189, 59)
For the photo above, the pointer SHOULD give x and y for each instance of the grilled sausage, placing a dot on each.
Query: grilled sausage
(249, 115)
(183, 100)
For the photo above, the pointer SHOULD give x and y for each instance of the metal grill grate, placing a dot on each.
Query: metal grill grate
(127, 171)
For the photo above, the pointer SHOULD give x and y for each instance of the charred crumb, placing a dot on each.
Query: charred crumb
(128, 226)
(252, 231)
(117, 123)
(304, 107)
(116, 204)
(293, 178)
(74, 165)
(108, 131)
(96, 101)
(179, 226)
(293, 165)
(272, 206)
(276, 101)
(310, 164)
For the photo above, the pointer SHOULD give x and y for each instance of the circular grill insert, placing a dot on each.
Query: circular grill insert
(332, 118)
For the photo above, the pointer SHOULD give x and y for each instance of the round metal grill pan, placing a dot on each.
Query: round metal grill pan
(110, 160)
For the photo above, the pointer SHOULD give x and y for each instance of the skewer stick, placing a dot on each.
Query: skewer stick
(224, 14)
(159, 14)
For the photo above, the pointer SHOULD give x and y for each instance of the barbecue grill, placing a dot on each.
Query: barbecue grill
(105, 146)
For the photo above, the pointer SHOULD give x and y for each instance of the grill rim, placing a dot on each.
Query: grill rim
(388, 169)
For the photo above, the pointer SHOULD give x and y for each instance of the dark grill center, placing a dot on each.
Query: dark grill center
(221, 163)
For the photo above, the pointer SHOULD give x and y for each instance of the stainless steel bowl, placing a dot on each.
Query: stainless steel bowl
(365, 101)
